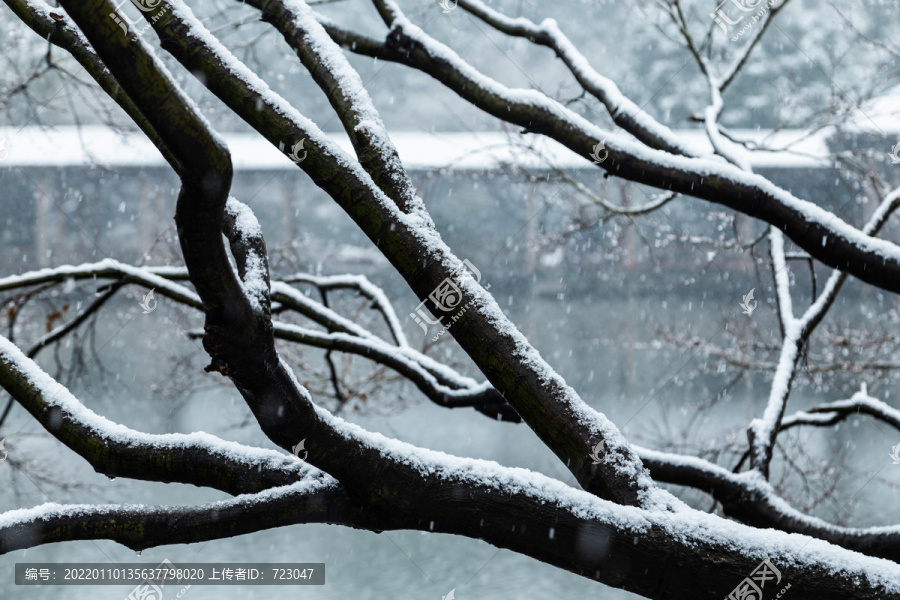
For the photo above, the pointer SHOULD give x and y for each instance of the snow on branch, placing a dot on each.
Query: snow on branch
(348, 96)
(107, 268)
(818, 231)
(751, 499)
(495, 489)
(316, 311)
(141, 526)
(361, 284)
(762, 432)
(623, 111)
(249, 250)
(817, 310)
(550, 520)
(830, 413)
(119, 451)
(439, 382)
(482, 397)
(540, 395)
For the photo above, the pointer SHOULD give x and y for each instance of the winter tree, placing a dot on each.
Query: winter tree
(617, 520)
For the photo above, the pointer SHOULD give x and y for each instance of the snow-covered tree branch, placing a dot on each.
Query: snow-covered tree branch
(611, 521)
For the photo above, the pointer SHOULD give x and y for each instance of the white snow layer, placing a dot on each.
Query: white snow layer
(57, 395)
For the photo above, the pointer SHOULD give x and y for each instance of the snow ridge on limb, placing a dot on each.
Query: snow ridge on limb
(441, 384)
(725, 551)
(347, 94)
(623, 111)
(752, 500)
(106, 268)
(119, 451)
(140, 526)
(249, 250)
(763, 431)
(316, 311)
(482, 397)
(830, 413)
(361, 284)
